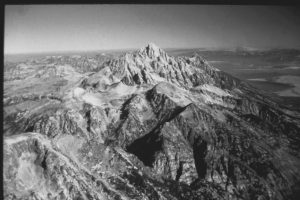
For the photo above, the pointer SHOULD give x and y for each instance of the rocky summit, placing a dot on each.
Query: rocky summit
(144, 125)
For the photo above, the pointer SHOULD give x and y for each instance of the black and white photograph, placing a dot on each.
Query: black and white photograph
(151, 102)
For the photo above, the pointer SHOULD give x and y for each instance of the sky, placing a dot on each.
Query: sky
(53, 28)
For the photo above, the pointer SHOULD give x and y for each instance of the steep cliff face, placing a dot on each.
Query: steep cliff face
(146, 125)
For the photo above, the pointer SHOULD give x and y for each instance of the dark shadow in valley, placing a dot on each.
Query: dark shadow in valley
(200, 151)
(146, 148)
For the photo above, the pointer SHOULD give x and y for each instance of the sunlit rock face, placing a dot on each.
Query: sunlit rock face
(144, 125)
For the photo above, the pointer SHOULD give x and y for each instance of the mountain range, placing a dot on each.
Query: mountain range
(144, 125)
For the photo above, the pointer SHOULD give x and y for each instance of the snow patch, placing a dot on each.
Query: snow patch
(92, 99)
(121, 89)
(157, 78)
(15, 139)
(213, 89)
(78, 92)
(176, 94)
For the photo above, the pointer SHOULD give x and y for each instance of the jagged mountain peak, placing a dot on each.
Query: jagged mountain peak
(152, 50)
(152, 45)
(196, 55)
(152, 65)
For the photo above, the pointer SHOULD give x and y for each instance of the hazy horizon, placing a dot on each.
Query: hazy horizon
(31, 29)
(131, 49)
